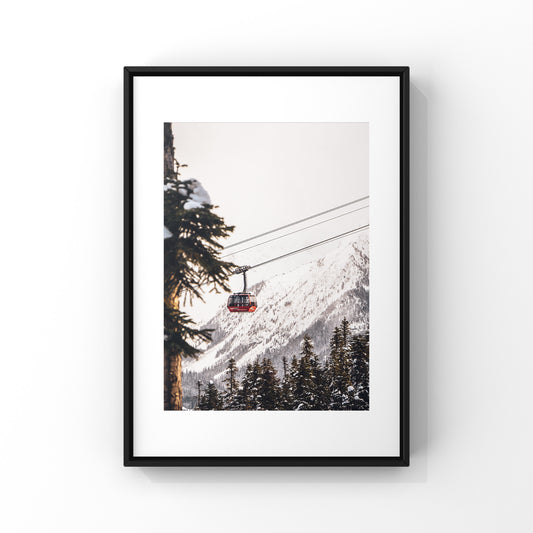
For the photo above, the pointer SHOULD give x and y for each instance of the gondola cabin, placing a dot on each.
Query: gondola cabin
(242, 302)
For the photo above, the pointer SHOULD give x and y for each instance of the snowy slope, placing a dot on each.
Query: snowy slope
(312, 299)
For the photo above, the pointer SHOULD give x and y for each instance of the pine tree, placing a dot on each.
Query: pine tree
(292, 380)
(339, 372)
(232, 386)
(327, 380)
(359, 351)
(345, 332)
(249, 390)
(255, 386)
(211, 400)
(199, 394)
(202, 400)
(192, 264)
(269, 391)
(305, 386)
(336, 341)
(242, 392)
(286, 399)
(322, 391)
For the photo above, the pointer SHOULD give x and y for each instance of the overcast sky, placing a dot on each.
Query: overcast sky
(265, 175)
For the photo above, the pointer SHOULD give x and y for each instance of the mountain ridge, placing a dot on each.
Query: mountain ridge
(311, 299)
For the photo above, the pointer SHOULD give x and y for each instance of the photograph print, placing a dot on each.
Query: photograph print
(266, 266)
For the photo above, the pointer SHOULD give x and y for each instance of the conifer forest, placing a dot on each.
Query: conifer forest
(339, 383)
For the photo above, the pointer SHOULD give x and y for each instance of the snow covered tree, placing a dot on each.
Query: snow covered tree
(305, 387)
(339, 367)
(198, 394)
(268, 388)
(202, 398)
(290, 372)
(249, 391)
(242, 401)
(340, 383)
(359, 351)
(192, 265)
(336, 342)
(286, 398)
(322, 391)
(345, 332)
(211, 399)
(232, 386)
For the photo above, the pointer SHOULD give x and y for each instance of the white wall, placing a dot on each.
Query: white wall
(61, 292)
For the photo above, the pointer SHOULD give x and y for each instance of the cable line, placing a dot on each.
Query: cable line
(295, 231)
(297, 222)
(330, 239)
(246, 302)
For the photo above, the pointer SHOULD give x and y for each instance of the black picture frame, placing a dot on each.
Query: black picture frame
(130, 459)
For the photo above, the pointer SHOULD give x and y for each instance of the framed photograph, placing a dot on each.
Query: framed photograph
(266, 266)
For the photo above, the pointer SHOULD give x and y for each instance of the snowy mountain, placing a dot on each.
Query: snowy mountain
(311, 299)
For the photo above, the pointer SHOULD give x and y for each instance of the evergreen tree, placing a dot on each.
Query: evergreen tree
(305, 386)
(286, 401)
(243, 403)
(359, 351)
(340, 383)
(202, 400)
(286, 398)
(248, 393)
(192, 263)
(232, 386)
(268, 387)
(336, 341)
(339, 372)
(255, 385)
(211, 400)
(293, 377)
(199, 394)
(345, 332)
(322, 391)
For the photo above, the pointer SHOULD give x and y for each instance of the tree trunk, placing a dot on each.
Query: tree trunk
(173, 388)
(172, 368)
(168, 138)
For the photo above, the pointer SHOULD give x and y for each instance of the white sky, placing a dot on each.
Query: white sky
(265, 175)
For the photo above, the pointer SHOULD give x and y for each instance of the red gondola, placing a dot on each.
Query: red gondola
(242, 302)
